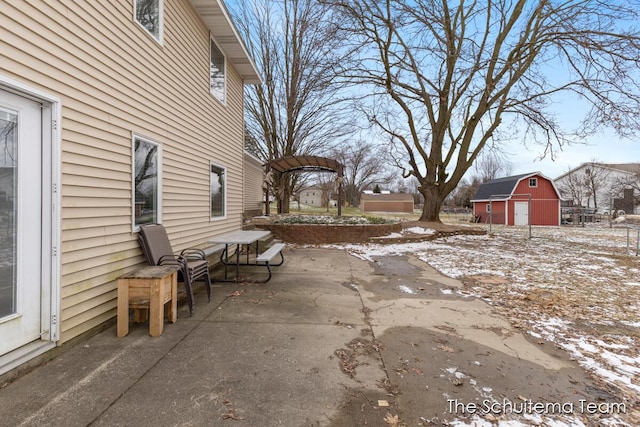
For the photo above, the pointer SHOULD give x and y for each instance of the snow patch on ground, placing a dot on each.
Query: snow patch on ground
(574, 286)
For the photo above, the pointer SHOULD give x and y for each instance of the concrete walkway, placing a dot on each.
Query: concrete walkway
(329, 341)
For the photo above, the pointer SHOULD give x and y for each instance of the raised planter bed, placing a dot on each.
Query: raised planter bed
(329, 233)
(328, 230)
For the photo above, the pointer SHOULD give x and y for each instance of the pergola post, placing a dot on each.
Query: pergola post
(340, 179)
(265, 186)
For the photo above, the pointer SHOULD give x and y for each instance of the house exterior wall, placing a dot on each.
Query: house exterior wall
(605, 193)
(114, 80)
(311, 196)
(253, 178)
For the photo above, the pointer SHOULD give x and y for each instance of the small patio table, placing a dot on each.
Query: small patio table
(239, 238)
(147, 290)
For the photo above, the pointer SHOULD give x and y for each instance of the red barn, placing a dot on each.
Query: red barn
(528, 199)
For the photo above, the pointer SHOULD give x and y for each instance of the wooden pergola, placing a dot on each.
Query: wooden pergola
(302, 163)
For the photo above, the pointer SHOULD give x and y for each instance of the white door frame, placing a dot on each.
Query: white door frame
(50, 327)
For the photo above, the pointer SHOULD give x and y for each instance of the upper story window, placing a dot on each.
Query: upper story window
(149, 15)
(218, 73)
(146, 182)
(533, 182)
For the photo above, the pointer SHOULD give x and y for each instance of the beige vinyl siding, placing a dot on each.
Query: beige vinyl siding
(253, 178)
(115, 80)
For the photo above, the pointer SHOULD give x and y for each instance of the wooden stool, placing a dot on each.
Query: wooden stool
(148, 288)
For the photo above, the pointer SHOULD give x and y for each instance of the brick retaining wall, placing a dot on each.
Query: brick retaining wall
(328, 233)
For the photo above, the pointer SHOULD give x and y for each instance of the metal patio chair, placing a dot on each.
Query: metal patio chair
(192, 262)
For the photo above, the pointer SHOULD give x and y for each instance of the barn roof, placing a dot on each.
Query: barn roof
(503, 188)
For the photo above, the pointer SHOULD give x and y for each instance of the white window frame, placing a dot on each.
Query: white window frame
(225, 189)
(212, 43)
(134, 136)
(533, 181)
(160, 37)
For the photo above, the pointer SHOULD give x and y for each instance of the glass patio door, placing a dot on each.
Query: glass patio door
(20, 221)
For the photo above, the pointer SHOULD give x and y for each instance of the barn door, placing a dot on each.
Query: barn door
(521, 213)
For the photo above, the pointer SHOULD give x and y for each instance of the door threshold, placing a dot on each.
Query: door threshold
(24, 354)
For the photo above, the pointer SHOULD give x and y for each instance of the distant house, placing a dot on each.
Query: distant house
(386, 202)
(311, 196)
(113, 114)
(602, 186)
(527, 199)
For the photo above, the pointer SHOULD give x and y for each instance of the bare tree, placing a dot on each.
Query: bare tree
(464, 192)
(626, 182)
(397, 184)
(587, 183)
(595, 179)
(442, 77)
(491, 165)
(573, 186)
(296, 109)
(362, 168)
(413, 188)
(326, 183)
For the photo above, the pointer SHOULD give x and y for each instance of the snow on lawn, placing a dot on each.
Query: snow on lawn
(577, 287)
(420, 230)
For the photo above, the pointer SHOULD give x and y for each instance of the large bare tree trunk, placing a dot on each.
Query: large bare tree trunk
(432, 203)
(284, 205)
(282, 185)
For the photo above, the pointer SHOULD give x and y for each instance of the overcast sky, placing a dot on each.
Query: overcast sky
(607, 148)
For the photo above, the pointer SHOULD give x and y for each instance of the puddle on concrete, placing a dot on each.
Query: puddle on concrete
(404, 279)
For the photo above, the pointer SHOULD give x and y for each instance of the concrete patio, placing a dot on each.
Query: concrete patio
(331, 340)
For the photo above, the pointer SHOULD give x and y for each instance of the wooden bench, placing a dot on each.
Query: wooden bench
(268, 255)
(147, 290)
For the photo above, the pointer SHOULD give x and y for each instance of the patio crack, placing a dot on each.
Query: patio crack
(374, 347)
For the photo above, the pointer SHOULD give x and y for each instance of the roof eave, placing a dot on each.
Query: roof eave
(503, 199)
(215, 16)
(551, 181)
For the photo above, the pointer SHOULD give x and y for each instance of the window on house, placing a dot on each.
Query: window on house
(488, 207)
(149, 15)
(218, 73)
(218, 191)
(146, 179)
(533, 182)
